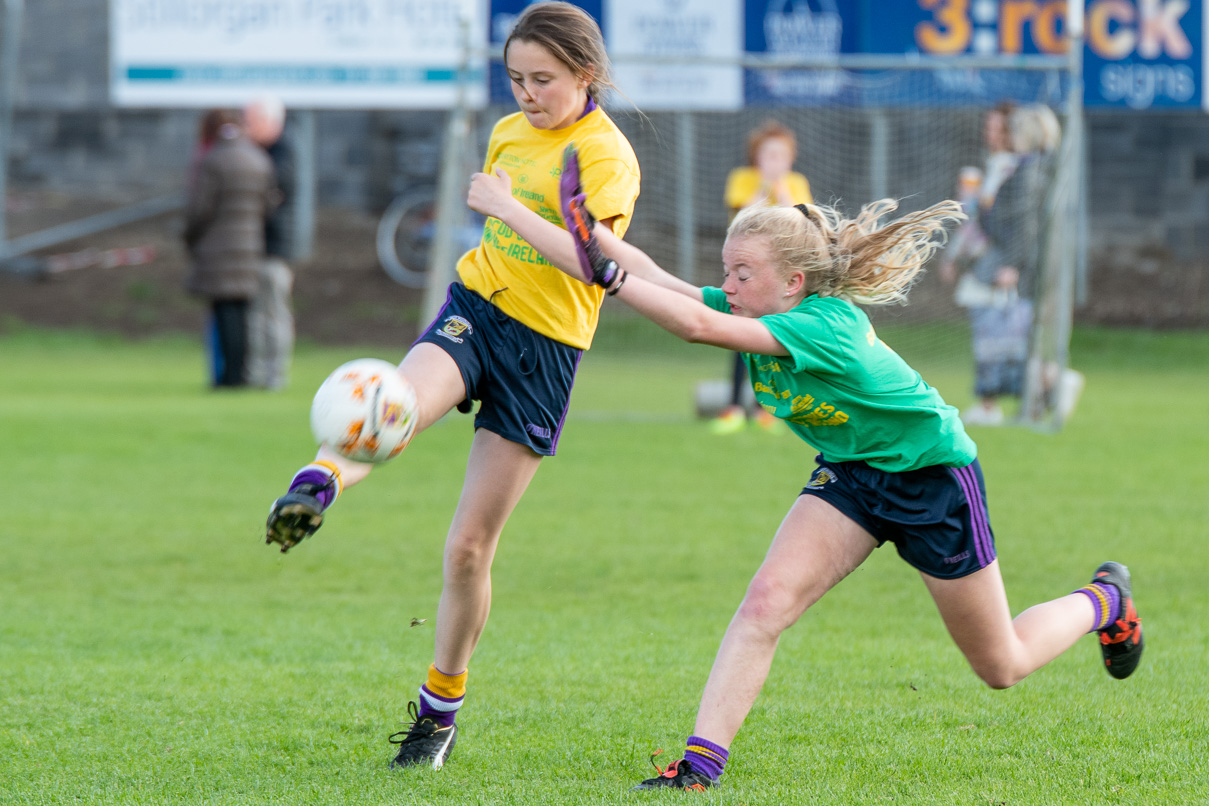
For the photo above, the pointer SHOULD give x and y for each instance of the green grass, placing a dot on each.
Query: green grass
(153, 650)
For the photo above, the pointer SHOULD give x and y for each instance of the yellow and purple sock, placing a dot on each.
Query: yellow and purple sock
(706, 757)
(325, 476)
(441, 695)
(1106, 600)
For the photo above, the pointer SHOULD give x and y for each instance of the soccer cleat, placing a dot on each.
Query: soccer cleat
(731, 421)
(1121, 641)
(766, 422)
(294, 517)
(425, 743)
(677, 775)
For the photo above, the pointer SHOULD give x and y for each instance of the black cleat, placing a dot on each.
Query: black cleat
(425, 744)
(678, 775)
(294, 517)
(1121, 641)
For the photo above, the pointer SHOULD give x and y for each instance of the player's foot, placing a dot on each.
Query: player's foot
(294, 517)
(678, 775)
(426, 743)
(1121, 641)
(766, 422)
(1070, 387)
(731, 421)
(983, 414)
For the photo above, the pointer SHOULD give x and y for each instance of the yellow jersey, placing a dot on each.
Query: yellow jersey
(508, 271)
(745, 187)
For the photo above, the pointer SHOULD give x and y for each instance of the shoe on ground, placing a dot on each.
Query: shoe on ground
(1121, 641)
(294, 517)
(983, 415)
(1070, 388)
(731, 421)
(766, 422)
(425, 744)
(678, 775)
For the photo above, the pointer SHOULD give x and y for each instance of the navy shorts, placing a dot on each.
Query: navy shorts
(935, 516)
(522, 378)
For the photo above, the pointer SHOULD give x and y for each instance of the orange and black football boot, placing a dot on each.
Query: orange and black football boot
(1121, 641)
(678, 775)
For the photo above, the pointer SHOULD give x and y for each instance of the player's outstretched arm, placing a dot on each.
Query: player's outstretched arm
(695, 321)
(584, 228)
(681, 313)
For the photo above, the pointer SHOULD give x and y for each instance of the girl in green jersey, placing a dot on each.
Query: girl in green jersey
(894, 462)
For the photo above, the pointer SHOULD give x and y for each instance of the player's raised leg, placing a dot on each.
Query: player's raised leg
(497, 474)
(1003, 651)
(815, 547)
(298, 514)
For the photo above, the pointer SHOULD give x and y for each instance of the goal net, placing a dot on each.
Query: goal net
(910, 135)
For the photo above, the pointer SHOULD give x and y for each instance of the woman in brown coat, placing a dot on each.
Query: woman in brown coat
(232, 191)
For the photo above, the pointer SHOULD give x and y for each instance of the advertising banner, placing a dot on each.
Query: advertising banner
(683, 29)
(1145, 54)
(366, 54)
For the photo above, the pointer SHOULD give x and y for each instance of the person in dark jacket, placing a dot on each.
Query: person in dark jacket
(228, 199)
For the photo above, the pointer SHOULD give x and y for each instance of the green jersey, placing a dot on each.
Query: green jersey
(845, 392)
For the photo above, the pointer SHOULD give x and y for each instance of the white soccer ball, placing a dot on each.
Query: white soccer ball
(365, 411)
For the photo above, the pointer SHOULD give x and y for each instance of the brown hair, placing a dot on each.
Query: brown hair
(213, 121)
(769, 130)
(860, 259)
(571, 36)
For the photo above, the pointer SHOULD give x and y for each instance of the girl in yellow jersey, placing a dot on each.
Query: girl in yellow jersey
(510, 336)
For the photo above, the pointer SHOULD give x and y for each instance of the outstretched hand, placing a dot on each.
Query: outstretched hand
(596, 267)
(490, 193)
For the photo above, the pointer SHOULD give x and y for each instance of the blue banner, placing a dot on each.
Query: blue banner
(1144, 54)
(827, 28)
(1140, 54)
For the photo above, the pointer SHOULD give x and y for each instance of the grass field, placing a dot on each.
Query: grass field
(153, 650)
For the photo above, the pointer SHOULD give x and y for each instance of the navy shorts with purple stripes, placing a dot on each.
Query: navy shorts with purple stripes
(935, 516)
(522, 377)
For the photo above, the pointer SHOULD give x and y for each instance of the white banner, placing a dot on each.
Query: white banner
(684, 29)
(366, 54)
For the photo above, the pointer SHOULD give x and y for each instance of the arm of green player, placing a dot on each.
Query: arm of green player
(671, 303)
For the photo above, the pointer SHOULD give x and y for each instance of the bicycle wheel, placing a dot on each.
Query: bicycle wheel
(405, 234)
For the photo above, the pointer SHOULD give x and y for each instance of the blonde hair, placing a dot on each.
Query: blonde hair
(1050, 128)
(860, 259)
(571, 36)
(1025, 132)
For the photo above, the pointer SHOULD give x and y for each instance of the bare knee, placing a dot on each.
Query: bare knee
(469, 553)
(997, 674)
(770, 605)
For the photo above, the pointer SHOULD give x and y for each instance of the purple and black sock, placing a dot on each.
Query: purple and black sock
(1106, 600)
(323, 475)
(706, 757)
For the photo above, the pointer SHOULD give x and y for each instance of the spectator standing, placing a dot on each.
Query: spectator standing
(270, 318)
(207, 135)
(1010, 216)
(768, 180)
(225, 211)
